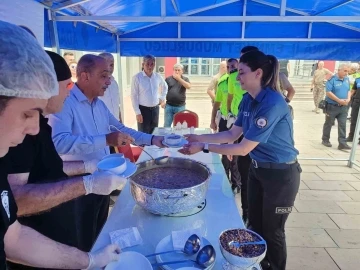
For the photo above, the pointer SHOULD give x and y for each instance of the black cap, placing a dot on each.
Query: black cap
(62, 69)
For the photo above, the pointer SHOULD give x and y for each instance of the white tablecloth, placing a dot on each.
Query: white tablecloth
(219, 214)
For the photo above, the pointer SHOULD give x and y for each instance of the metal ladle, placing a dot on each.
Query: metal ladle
(191, 247)
(158, 161)
(204, 258)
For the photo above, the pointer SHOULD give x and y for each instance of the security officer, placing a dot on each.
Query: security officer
(235, 97)
(274, 177)
(220, 111)
(337, 98)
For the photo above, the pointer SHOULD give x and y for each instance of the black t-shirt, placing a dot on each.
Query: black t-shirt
(37, 155)
(8, 210)
(176, 94)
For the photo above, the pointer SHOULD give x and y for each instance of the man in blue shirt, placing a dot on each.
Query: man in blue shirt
(337, 97)
(81, 132)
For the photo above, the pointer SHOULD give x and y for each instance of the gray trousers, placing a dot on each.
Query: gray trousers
(335, 112)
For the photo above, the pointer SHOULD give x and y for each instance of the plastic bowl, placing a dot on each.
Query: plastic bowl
(173, 139)
(130, 260)
(118, 155)
(242, 262)
(115, 165)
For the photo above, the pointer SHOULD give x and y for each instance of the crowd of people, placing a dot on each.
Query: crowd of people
(55, 114)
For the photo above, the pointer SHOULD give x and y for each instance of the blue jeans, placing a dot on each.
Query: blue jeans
(170, 112)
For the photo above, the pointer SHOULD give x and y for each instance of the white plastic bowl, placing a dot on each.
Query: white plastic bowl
(115, 165)
(130, 260)
(173, 139)
(118, 155)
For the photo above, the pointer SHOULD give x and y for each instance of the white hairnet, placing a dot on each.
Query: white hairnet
(26, 71)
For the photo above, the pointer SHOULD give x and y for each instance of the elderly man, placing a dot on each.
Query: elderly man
(69, 57)
(318, 84)
(111, 96)
(211, 90)
(81, 131)
(148, 91)
(337, 98)
(27, 80)
(42, 189)
(176, 95)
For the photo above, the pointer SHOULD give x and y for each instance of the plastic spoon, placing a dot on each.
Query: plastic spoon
(191, 247)
(204, 258)
(238, 244)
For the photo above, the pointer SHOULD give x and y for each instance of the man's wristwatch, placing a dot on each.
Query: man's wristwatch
(206, 148)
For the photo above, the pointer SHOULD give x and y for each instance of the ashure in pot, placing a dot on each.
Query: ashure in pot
(178, 186)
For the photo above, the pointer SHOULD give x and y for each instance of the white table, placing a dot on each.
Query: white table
(219, 214)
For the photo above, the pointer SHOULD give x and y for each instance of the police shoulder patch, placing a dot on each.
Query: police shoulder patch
(261, 122)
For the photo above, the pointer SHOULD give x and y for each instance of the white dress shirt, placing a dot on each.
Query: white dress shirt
(147, 91)
(111, 98)
(79, 130)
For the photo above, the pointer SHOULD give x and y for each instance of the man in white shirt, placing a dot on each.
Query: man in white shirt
(148, 91)
(111, 96)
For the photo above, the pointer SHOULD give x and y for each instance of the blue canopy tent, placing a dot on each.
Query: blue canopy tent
(291, 29)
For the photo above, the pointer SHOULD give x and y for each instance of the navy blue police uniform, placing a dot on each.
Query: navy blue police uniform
(274, 175)
(354, 108)
(340, 88)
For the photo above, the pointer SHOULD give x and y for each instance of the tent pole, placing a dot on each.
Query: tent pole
(243, 23)
(53, 32)
(283, 8)
(179, 29)
(120, 80)
(355, 140)
(310, 30)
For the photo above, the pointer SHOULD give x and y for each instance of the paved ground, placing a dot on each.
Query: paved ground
(323, 232)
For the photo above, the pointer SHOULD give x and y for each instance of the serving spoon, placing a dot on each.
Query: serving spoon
(204, 258)
(191, 247)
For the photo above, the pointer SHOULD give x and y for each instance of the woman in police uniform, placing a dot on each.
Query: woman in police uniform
(274, 177)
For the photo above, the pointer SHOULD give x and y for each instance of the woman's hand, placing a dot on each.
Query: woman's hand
(191, 137)
(191, 148)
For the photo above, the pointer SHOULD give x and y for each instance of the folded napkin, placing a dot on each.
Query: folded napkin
(126, 237)
(179, 237)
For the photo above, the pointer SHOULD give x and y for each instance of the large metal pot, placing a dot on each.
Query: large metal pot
(170, 201)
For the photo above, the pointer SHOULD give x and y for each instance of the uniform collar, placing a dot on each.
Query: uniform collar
(337, 78)
(233, 71)
(262, 94)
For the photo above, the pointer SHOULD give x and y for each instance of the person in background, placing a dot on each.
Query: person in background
(353, 75)
(318, 84)
(287, 90)
(284, 67)
(111, 96)
(176, 95)
(148, 91)
(274, 175)
(214, 81)
(82, 132)
(69, 57)
(73, 66)
(234, 99)
(27, 81)
(355, 100)
(337, 97)
(220, 107)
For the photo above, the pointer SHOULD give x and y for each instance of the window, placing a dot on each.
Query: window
(185, 63)
(216, 65)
